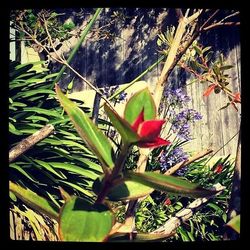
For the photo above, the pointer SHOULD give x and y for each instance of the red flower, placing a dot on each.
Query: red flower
(167, 202)
(148, 132)
(218, 169)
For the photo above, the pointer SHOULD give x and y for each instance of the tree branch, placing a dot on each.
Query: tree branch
(185, 163)
(186, 213)
(220, 25)
(29, 142)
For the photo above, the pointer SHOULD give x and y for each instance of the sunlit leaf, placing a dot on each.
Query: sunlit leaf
(169, 184)
(122, 126)
(234, 223)
(84, 222)
(77, 187)
(140, 100)
(74, 169)
(88, 131)
(128, 190)
(34, 200)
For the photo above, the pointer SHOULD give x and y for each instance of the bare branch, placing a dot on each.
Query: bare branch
(29, 142)
(186, 213)
(209, 19)
(194, 16)
(215, 25)
(179, 13)
(185, 163)
(229, 16)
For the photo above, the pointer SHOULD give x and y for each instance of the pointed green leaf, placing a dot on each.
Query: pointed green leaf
(77, 187)
(23, 172)
(35, 201)
(122, 126)
(82, 221)
(169, 184)
(50, 169)
(225, 67)
(141, 99)
(128, 190)
(234, 223)
(74, 169)
(95, 139)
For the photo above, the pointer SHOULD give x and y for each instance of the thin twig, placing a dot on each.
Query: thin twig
(29, 142)
(221, 24)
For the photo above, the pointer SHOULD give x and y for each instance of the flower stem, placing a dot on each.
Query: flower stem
(109, 180)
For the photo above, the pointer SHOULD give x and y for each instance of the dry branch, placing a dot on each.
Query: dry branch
(29, 142)
(185, 163)
(186, 213)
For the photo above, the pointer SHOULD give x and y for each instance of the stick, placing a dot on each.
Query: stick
(185, 163)
(186, 213)
(29, 142)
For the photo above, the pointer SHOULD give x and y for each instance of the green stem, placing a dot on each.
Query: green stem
(109, 180)
(73, 52)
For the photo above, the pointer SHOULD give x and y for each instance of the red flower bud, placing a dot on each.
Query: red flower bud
(167, 202)
(218, 169)
(148, 132)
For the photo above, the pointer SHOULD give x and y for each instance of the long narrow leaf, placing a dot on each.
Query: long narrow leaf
(123, 127)
(74, 169)
(170, 184)
(92, 136)
(35, 201)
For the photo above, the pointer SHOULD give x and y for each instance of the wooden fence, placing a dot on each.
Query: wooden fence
(133, 48)
(128, 46)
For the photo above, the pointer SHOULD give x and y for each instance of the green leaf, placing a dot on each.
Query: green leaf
(74, 169)
(122, 126)
(18, 104)
(225, 67)
(34, 92)
(37, 118)
(198, 50)
(92, 136)
(23, 172)
(35, 201)
(50, 169)
(206, 49)
(141, 99)
(234, 223)
(77, 187)
(83, 221)
(42, 111)
(128, 190)
(169, 184)
(12, 196)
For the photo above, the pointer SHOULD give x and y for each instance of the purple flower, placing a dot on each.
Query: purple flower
(169, 157)
(176, 97)
(181, 122)
(108, 91)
